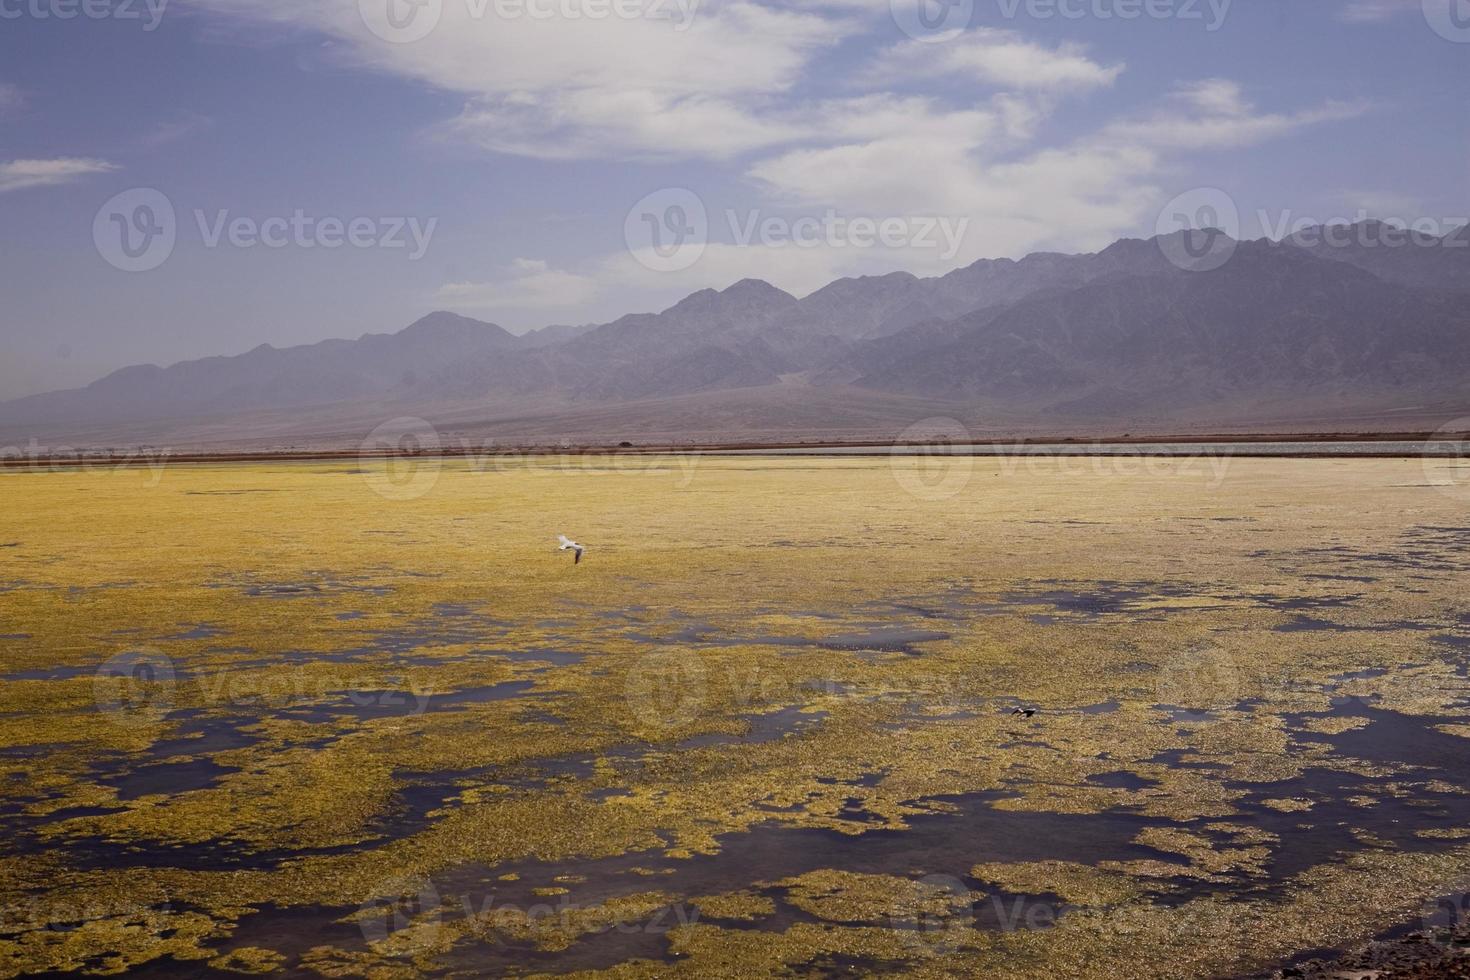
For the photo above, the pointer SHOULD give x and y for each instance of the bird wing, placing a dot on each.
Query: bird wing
(566, 542)
(578, 558)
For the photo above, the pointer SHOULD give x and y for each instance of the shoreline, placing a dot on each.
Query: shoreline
(1057, 446)
(1409, 950)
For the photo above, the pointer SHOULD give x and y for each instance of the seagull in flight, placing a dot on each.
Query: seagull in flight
(1024, 712)
(567, 544)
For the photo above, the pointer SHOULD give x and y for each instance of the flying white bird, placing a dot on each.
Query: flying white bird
(567, 544)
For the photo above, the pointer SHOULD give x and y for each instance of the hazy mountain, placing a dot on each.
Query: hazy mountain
(373, 366)
(1268, 321)
(1114, 333)
(1393, 253)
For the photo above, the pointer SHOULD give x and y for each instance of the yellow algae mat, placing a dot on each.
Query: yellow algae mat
(364, 719)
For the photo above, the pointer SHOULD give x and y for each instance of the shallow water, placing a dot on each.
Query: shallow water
(1434, 448)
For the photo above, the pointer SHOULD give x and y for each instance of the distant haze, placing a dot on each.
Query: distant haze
(1192, 327)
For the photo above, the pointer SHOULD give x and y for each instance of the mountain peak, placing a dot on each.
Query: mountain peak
(743, 296)
(445, 320)
(444, 326)
(755, 289)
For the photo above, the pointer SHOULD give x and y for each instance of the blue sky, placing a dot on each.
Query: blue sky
(517, 139)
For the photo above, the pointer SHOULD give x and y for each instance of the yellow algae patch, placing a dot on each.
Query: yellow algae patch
(111, 944)
(745, 906)
(1069, 881)
(1203, 852)
(1333, 726)
(249, 959)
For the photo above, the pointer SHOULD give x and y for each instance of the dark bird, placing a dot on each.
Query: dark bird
(1025, 712)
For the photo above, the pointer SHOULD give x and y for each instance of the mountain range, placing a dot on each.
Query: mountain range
(1144, 332)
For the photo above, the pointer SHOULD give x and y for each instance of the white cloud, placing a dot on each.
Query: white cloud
(529, 284)
(997, 57)
(21, 174)
(883, 155)
(919, 158)
(946, 129)
(1215, 114)
(587, 124)
(565, 87)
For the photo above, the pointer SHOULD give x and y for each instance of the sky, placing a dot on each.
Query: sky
(187, 178)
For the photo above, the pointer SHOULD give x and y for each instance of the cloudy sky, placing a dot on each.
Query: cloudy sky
(198, 177)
